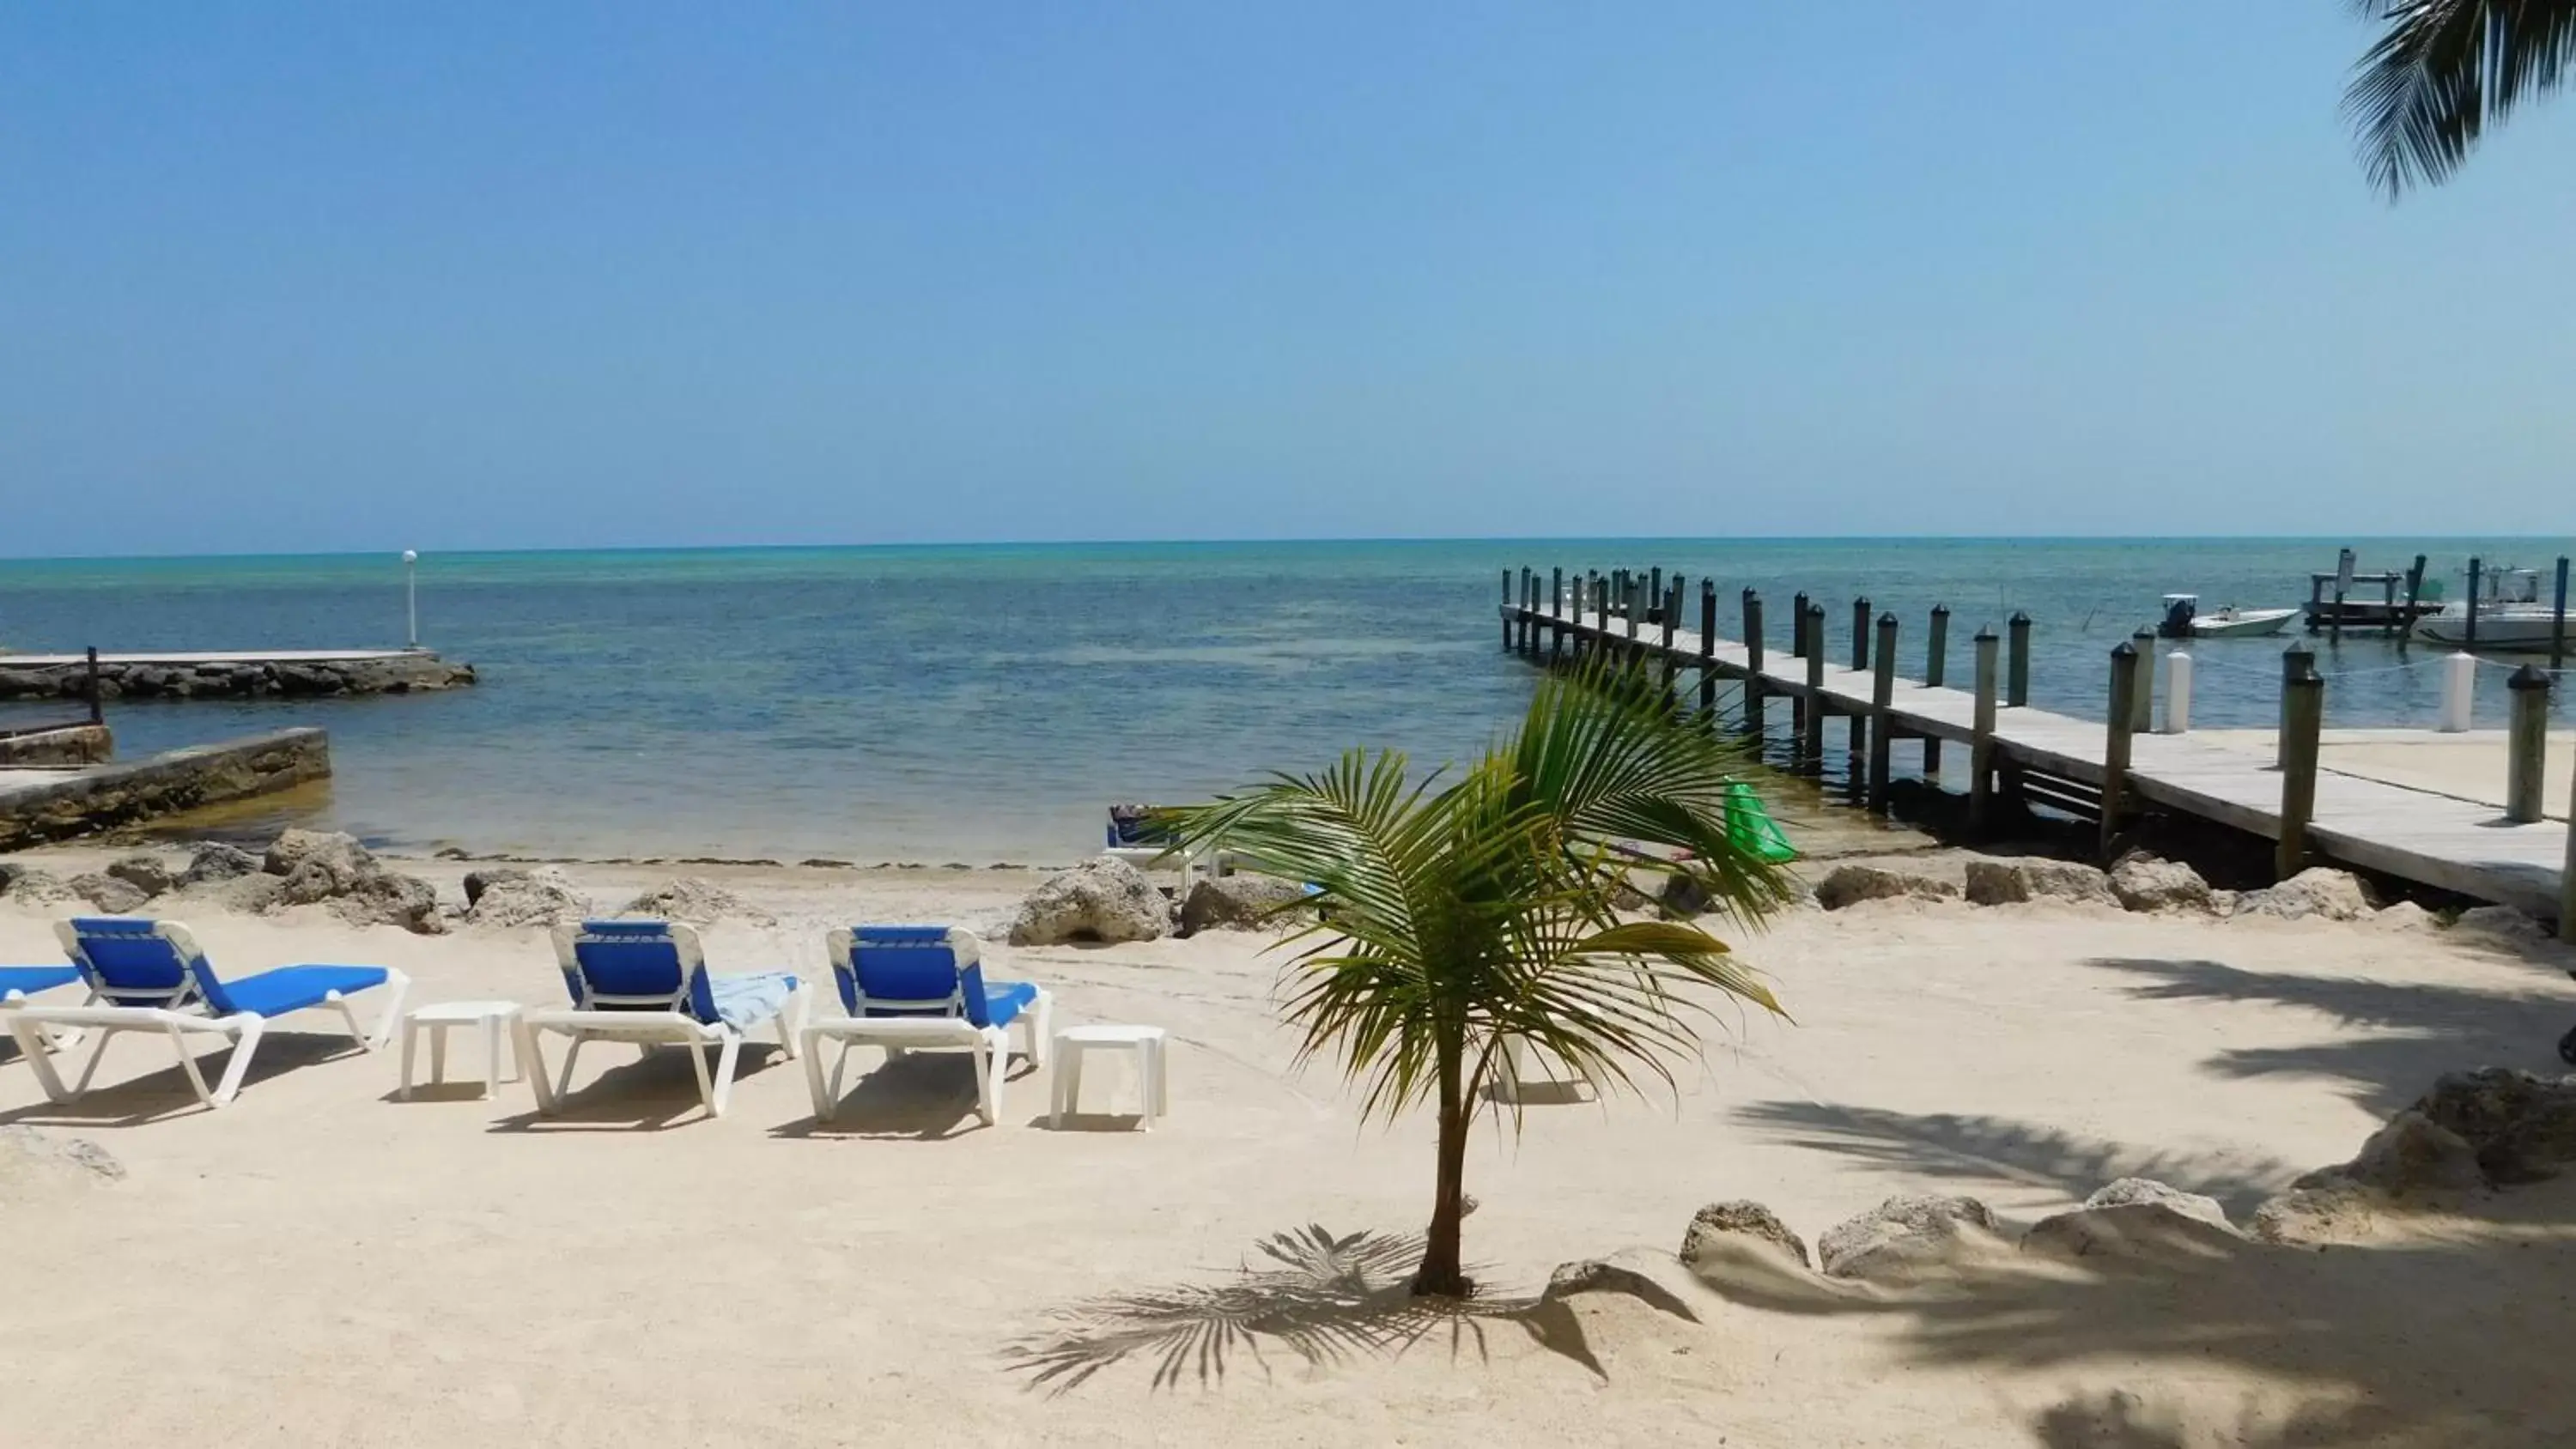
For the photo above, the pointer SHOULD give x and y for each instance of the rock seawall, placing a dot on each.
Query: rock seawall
(80, 744)
(235, 679)
(105, 796)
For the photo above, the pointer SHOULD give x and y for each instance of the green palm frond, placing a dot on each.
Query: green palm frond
(1454, 921)
(2441, 71)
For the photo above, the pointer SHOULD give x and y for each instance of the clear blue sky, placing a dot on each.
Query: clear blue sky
(330, 276)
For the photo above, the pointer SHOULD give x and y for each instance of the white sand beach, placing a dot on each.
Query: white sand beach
(320, 1263)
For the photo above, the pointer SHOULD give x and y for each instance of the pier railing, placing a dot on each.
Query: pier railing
(2021, 756)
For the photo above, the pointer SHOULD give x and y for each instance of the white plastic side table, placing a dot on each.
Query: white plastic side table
(437, 1017)
(1072, 1043)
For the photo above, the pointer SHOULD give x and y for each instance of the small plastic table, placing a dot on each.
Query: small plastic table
(1145, 1041)
(437, 1017)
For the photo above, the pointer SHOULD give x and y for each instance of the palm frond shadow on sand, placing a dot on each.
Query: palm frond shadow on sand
(1318, 1297)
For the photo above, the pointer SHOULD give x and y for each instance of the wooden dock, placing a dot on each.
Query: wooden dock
(2456, 845)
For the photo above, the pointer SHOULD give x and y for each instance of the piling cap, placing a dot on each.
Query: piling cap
(1887, 620)
(2021, 618)
(1986, 635)
(2529, 676)
(1940, 608)
(2124, 650)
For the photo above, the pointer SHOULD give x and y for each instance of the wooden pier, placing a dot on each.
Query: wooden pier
(2456, 845)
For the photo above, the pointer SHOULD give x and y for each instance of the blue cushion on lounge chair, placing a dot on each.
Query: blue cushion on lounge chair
(916, 964)
(129, 956)
(28, 980)
(642, 958)
(290, 988)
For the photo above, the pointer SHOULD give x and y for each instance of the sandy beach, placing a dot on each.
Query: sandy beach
(320, 1263)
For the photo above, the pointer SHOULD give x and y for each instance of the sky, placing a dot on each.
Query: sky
(313, 277)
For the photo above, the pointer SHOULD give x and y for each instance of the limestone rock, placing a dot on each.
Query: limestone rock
(2136, 1217)
(145, 873)
(1650, 1278)
(541, 897)
(2521, 1125)
(325, 856)
(213, 863)
(2404, 916)
(1102, 899)
(2017, 882)
(696, 900)
(2144, 882)
(116, 897)
(479, 881)
(2412, 1153)
(1849, 885)
(1719, 1221)
(25, 885)
(1241, 903)
(2319, 891)
(1905, 1236)
(389, 898)
(2501, 925)
(2334, 1211)
(2132, 1190)
(252, 895)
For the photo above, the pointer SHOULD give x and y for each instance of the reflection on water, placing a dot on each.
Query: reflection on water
(984, 704)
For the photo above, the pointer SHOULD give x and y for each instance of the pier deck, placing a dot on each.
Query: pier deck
(2464, 846)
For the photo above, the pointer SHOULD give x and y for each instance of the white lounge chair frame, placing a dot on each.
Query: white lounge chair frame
(991, 1045)
(180, 1014)
(647, 1022)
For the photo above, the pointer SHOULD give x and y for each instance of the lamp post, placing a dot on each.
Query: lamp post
(411, 594)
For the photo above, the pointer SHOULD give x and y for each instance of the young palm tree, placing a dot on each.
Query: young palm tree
(2444, 68)
(1452, 920)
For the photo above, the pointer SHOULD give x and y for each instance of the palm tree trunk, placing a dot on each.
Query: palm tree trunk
(1441, 1275)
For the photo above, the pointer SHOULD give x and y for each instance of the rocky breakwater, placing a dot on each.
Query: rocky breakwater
(214, 677)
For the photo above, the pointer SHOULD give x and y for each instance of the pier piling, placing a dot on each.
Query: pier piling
(2558, 621)
(1753, 667)
(1882, 721)
(97, 696)
(1936, 663)
(2303, 713)
(2469, 631)
(2178, 668)
(2297, 663)
(1814, 724)
(1708, 650)
(2526, 744)
(2017, 675)
(2143, 702)
(2117, 736)
(1981, 742)
(1860, 634)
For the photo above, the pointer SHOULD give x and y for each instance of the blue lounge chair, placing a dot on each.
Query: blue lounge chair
(17, 983)
(910, 988)
(647, 982)
(150, 976)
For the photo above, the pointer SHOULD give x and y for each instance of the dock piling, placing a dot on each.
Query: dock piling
(2178, 693)
(1708, 650)
(2469, 632)
(2297, 663)
(1936, 668)
(97, 696)
(1882, 720)
(2459, 692)
(1981, 743)
(1507, 610)
(2303, 713)
(1860, 634)
(2558, 621)
(1753, 666)
(2017, 675)
(2142, 709)
(1814, 722)
(2117, 737)
(2403, 626)
(2567, 875)
(2526, 744)
(1668, 604)
(1555, 613)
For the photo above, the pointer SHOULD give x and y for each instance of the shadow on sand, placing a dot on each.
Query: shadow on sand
(1315, 1296)
(2418, 1030)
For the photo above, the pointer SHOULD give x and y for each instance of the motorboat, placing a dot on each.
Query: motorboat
(2510, 616)
(2183, 620)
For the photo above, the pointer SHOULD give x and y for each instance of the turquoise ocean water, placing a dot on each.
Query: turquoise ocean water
(985, 703)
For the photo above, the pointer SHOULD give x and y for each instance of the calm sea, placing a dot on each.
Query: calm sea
(985, 704)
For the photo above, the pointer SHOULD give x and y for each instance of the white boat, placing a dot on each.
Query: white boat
(2183, 620)
(2511, 616)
